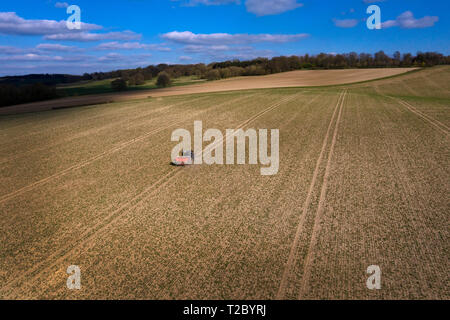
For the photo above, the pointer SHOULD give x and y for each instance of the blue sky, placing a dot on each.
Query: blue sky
(129, 33)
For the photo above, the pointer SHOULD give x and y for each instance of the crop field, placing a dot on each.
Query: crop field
(104, 86)
(364, 179)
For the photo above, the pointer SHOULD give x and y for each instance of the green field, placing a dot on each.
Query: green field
(104, 86)
(363, 180)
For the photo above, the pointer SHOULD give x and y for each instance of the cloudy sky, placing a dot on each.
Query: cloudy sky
(34, 37)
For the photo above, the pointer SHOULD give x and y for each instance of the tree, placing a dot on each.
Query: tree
(139, 79)
(254, 71)
(407, 60)
(163, 79)
(87, 76)
(132, 81)
(11, 94)
(213, 74)
(225, 73)
(381, 59)
(125, 75)
(397, 58)
(352, 59)
(236, 71)
(119, 85)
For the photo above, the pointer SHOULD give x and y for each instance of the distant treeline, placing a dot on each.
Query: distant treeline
(262, 66)
(47, 79)
(33, 87)
(12, 94)
(22, 89)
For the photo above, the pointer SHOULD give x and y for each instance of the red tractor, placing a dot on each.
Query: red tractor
(187, 158)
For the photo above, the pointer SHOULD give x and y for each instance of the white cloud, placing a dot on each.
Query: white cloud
(42, 48)
(204, 49)
(225, 46)
(185, 58)
(61, 5)
(88, 36)
(131, 46)
(32, 57)
(241, 55)
(56, 47)
(35, 63)
(407, 21)
(10, 50)
(115, 58)
(27, 57)
(188, 37)
(12, 24)
(257, 7)
(345, 23)
(226, 52)
(111, 57)
(271, 7)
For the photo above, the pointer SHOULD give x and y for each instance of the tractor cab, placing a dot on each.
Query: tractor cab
(187, 158)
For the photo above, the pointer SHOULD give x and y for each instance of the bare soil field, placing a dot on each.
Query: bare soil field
(305, 78)
(363, 180)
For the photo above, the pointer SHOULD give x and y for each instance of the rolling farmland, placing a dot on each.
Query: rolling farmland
(363, 180)
(184, 86)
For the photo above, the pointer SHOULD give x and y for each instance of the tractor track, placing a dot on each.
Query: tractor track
(104, 154)
(87, 132)
(410, 195)
(89, 118)
(278, 200)
(89, 234)
(437, 124)
(291, 259)
(320, 209)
